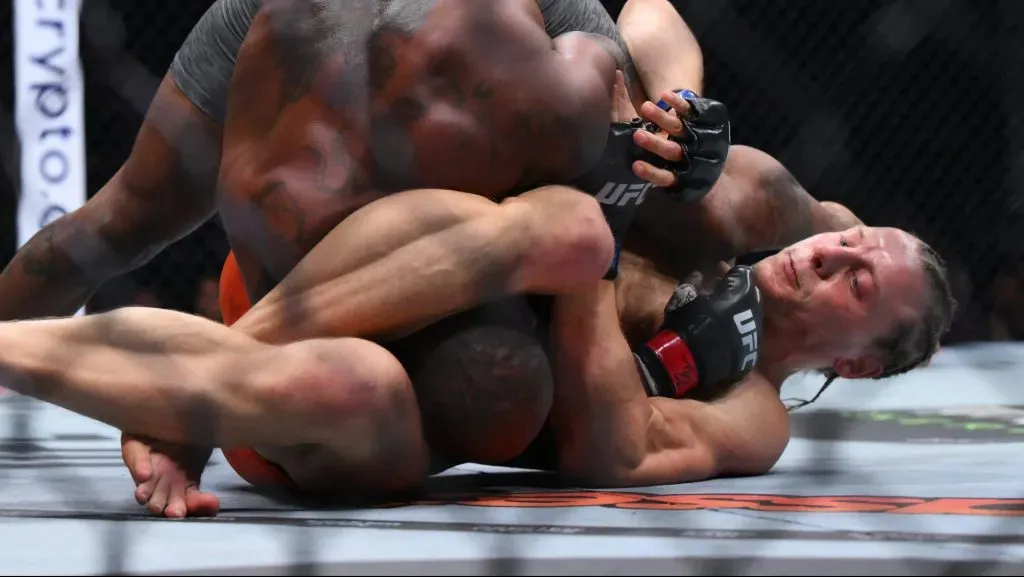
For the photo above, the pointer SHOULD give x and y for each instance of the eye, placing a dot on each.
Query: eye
(855, 285)
(842, 242)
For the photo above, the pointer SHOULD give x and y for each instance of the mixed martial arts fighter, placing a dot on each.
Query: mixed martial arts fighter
(324, 109)
(700, 398)
(611, 424)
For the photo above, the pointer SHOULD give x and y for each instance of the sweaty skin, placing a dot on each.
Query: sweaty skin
(282, 199)
(451, 95)
(173, 180)
(757, 205)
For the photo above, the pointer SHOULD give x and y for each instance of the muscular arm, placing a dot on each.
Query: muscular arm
(762, 206)
(757, 205)
(163, 191)
(610, 433)
(665, 51)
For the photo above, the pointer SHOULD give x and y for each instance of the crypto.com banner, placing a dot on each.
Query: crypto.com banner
(49, 104)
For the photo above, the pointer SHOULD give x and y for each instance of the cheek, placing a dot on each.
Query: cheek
(833, 312)
(829, 302)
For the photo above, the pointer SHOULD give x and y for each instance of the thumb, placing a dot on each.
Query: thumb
(684, 294)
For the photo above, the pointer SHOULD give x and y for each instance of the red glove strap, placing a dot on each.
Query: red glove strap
(675, 356)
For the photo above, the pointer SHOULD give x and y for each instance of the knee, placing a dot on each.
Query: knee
(569, 237)
(339, 387)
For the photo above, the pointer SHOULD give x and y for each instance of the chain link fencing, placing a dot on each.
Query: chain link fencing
(906, 112)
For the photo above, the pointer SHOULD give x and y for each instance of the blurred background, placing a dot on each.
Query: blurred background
(908, 112)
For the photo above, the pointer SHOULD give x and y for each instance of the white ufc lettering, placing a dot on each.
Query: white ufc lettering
(623, 194)
(747, 327)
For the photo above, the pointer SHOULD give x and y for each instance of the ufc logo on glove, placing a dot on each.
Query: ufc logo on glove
(747, 327)
(623, 194)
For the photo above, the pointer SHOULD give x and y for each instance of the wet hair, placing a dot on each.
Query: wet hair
(912, 343)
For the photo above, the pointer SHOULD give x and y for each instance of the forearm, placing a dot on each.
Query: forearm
(665, 52)
(56, 271)
(601, 411)
(145, 371)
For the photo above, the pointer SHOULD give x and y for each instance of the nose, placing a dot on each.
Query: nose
(828, 262)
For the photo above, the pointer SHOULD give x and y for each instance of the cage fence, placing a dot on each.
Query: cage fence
(906, 112)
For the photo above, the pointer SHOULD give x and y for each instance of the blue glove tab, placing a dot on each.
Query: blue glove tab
(684, 94)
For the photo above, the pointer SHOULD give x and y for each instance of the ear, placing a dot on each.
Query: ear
(860, 368)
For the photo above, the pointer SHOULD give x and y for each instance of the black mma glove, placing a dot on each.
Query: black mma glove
(705, 143)
(707, 342)
(612, 182)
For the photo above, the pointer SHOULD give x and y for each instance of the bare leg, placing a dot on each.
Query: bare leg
(412, 258)
(184, 379)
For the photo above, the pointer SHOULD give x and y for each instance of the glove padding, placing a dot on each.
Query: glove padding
(705, 143)
(614, 184)
(707, 342)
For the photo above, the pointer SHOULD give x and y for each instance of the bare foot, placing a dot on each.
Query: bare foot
(167, 477)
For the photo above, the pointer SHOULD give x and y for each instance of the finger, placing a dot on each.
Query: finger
(655, 176)
(667, 121)
(677, 103)
(622, 107)
(200, 504)
(659, 145)
(135, 455)
(158, 502)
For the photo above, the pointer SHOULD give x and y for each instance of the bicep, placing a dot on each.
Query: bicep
(758, 204)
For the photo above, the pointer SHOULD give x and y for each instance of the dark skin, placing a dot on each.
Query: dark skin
(162, 192)
(297, 154)
(301, 156)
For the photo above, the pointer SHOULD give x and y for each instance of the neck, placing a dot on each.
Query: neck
(780, 357)
(776, 360)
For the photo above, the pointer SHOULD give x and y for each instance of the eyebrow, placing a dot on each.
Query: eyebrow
(876, 286)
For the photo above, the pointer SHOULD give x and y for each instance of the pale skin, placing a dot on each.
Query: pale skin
(108, 366)
(611, 434)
